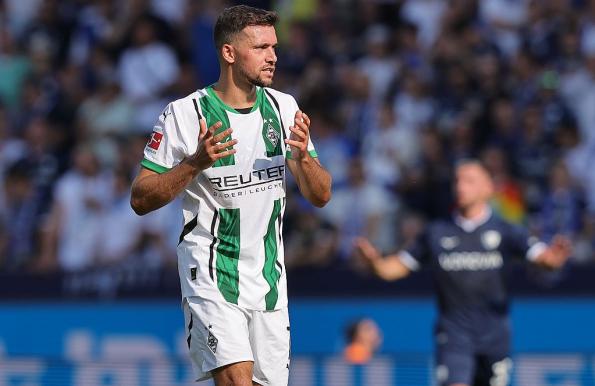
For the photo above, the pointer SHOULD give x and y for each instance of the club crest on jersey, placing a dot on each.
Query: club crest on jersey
(449, 242)
(491, 239)
(272, 134)
(155, 140)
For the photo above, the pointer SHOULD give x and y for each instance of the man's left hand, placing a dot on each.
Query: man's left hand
(299, 137)
(557, 253)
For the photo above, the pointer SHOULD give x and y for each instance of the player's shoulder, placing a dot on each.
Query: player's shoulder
(497, 221)
(441, 225)
(281, 97)
(438, 228)
(189, 101)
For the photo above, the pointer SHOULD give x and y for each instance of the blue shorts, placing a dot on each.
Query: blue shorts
(460, 359)
(472, 369)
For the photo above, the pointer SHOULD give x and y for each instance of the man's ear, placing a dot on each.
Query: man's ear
(228, 53)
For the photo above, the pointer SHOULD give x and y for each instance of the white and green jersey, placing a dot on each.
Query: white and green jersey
(231, 245)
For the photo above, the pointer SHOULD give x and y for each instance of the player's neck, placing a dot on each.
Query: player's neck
(239, 95)
(474, 212)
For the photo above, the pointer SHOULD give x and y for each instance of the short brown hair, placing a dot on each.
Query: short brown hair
(234, 19)
(476, 162)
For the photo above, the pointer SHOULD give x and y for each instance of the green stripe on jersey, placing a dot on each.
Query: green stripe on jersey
(153, 166)
(213, 110)
(269, 271)
(228, 254)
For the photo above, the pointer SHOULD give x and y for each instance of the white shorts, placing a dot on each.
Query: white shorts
(220, 333)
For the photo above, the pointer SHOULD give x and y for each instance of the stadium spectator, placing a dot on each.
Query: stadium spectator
(578, 90)
(120, 231)
(72, 230)
(12, 148)
(312, 241)
(364, 338)
(412, 104)
(201, 29)
(533, 156)
(378, 64)
(371, 216)
(356, 109)
(505, 19)
(42, 151)
(14, 68)
(146, 70)
(563, 205)
(107, 111)
(339, 149)
(19, 216)
(392, 147)
(97, 23)
(429, 174)
(427, 15)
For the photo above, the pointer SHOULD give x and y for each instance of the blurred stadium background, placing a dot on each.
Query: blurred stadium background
(398, 90)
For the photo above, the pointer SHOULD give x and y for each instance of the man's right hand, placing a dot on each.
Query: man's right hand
(367, 252)
(210, 149)
(387, 268)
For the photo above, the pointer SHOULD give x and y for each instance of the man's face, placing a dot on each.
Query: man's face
(473, 185)
(255, 54)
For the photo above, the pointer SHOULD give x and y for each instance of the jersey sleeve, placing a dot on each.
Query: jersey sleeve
(289, 119)
(418, 254)
(166, 147)
(521, 244)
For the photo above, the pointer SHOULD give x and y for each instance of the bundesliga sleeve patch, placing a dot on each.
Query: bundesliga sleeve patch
(155, 140)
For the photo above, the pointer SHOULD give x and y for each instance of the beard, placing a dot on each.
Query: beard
(256, 80)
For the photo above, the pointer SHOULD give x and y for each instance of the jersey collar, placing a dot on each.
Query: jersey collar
(470, 225)
(220, 103)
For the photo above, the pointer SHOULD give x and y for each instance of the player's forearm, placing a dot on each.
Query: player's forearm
(390, 268)
(314, 181)
(549, 261)
(154, 191)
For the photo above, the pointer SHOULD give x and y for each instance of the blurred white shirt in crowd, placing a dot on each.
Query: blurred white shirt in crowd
(578, 91)
(145, 71)
(380, 72)
(103, 117)
(579, 162)
(120, 231)
(387, 151)
(378, 65)
(367, 210)
(427, 16)
(82, 201)
(20, 13)
(505, 17)
(173, 11)
(414, 112)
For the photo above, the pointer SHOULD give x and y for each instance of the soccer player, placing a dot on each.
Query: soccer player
(467, 256)
(226, 148)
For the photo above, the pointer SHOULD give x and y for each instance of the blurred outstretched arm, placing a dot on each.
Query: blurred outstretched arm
(389, 268)
(556, 254)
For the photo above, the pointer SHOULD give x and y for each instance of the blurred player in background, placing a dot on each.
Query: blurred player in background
(226, 147)
(468, 256)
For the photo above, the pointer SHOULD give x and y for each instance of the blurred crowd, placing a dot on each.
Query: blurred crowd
(398, 91)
